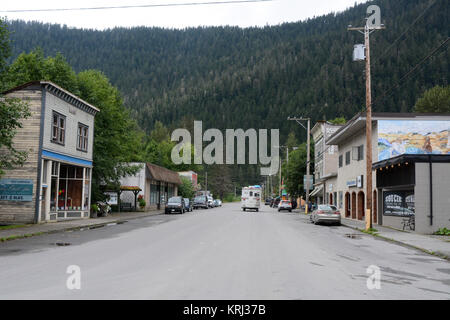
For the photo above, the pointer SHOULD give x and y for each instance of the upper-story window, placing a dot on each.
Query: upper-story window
(82, 137)
(358, 153)
(58, 128)
(347, 158)
(341, 161)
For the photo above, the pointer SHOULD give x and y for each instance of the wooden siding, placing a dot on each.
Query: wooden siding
(26, 139)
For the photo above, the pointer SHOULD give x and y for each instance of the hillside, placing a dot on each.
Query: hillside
(256, 77)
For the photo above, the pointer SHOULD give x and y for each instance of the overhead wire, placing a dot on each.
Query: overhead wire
(136, 6)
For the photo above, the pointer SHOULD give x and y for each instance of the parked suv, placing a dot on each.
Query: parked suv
(175, 204)
(200, 202)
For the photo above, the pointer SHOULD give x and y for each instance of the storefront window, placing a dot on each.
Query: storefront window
(70, 191)
(153, 193)
(398, 203)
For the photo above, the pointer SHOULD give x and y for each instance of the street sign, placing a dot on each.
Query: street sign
(308, 182)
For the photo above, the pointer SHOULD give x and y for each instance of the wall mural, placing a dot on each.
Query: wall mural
(397, 137)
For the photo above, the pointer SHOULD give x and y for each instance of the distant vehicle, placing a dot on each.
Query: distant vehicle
(268, 201)
(188, 205)
(251, 198)
(276, 202)
(217, 203)
(200, 202)
(326, 214)
(285, 205)
(210, 202)
(175, 204)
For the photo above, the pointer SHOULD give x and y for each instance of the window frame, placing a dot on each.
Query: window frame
(60, 131)
(85, 138)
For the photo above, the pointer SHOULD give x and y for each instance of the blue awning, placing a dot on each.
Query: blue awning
(68, 159)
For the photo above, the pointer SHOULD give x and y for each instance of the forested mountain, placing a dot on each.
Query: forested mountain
(231, 77)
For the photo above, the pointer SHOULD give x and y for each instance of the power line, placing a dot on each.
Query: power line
(411, 71)
(137, 6)
(432, 2)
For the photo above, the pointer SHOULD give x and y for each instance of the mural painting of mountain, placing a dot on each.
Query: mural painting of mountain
(396, 137)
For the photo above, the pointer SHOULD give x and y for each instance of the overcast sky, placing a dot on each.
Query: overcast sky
(244, 15)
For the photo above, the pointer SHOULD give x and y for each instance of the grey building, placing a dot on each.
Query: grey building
(405, 147)
(326, 163)
(55, 182)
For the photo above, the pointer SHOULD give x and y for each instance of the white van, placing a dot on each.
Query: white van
(251, 198)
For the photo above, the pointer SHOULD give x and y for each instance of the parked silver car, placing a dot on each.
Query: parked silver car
(326, 214)
(285, 205)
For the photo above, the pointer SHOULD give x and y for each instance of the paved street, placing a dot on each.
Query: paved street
(220, 253)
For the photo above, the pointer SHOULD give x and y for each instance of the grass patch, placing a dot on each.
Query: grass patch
(20, 236)
(371, 231)
(13, 226)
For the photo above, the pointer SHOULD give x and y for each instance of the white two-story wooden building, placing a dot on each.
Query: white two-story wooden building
(55, 182)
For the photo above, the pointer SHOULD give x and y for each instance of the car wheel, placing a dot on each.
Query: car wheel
(290, 210)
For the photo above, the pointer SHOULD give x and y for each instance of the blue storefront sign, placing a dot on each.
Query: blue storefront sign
(16, 190)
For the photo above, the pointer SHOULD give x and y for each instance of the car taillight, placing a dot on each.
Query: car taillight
(319, 212)
(257, 199)
(337, 212)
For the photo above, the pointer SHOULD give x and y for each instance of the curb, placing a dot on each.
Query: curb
(95, 225)
(376, 235)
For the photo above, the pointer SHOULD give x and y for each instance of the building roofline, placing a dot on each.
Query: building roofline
(319, 122)
(412, 158)
(361, 116)
(60, 92)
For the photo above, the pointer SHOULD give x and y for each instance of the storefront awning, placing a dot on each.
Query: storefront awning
(316, 191)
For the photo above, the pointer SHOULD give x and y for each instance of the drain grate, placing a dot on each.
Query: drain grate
(353, 236)
(62, 244)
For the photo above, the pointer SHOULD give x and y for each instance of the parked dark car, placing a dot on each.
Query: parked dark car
(188, 205)
(201, 202)
(175, 204)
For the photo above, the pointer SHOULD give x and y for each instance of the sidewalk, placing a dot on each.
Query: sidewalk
(39, 229)
(436, 245)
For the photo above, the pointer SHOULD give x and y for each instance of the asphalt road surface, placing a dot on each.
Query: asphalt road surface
(220, 253)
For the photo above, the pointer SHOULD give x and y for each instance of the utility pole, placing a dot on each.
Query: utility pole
(279, 188)
(308, 156)
(370, 27)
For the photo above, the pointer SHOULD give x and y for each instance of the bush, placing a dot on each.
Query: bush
(231, 198)
(443, 232)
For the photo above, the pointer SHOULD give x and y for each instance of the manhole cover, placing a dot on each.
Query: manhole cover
(353, 236)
